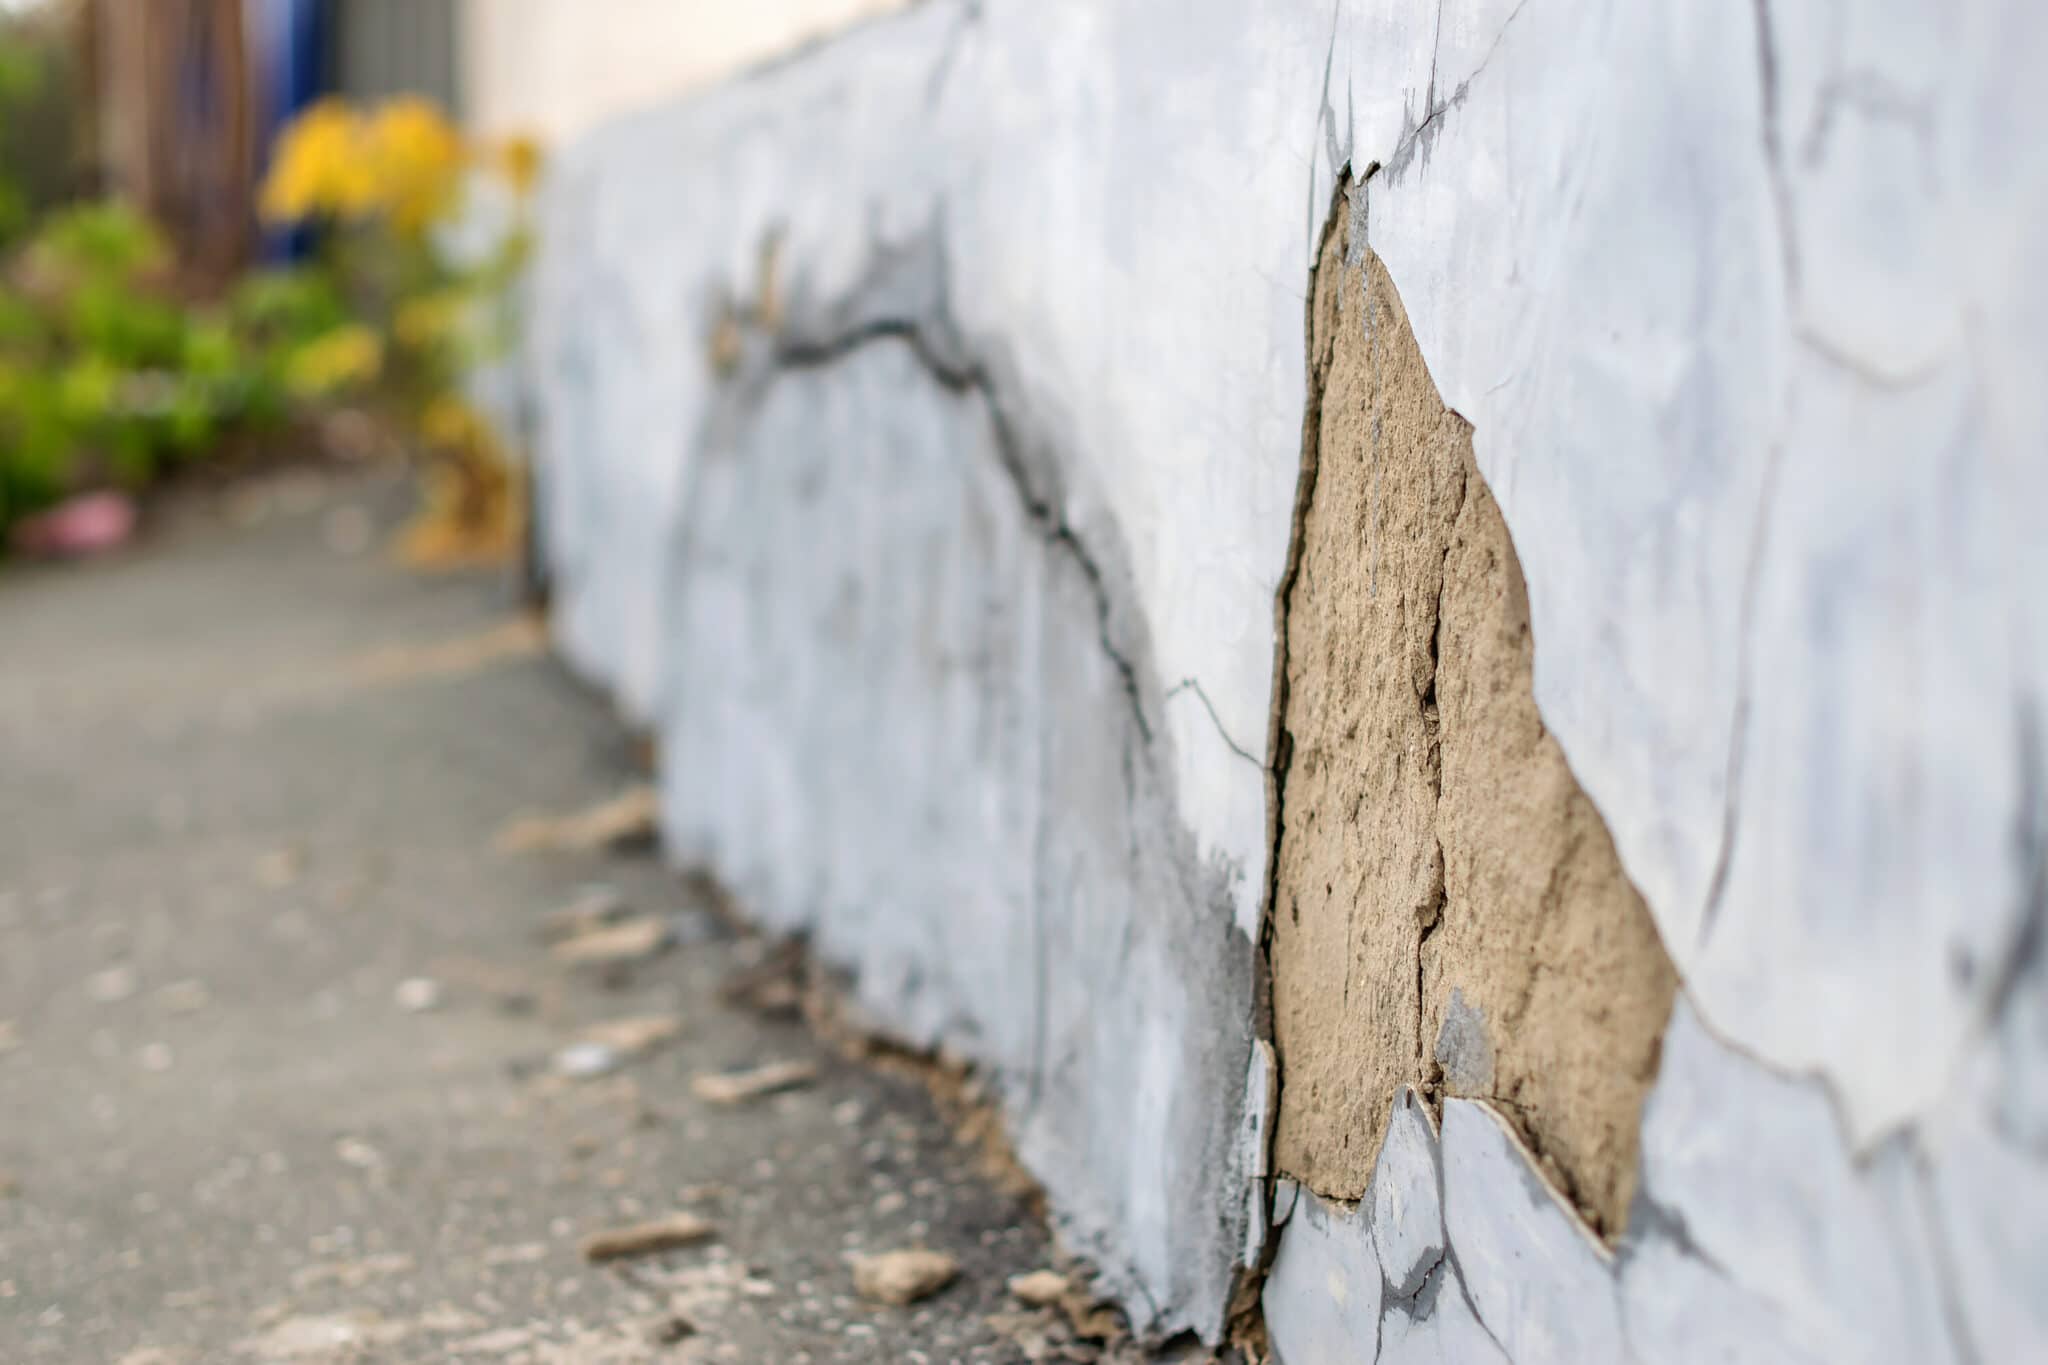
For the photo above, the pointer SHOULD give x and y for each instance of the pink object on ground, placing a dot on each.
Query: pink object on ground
(89, 524)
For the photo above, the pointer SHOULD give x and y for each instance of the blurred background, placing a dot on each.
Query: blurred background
(236, 228)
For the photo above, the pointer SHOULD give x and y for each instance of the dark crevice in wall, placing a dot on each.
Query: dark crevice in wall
(933, 340)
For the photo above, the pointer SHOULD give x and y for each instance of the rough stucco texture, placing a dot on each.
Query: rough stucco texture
(1449, 912)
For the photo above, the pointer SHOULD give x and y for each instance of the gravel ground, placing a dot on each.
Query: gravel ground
(279, 1038)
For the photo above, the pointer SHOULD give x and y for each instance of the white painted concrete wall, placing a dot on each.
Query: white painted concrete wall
(953, 600)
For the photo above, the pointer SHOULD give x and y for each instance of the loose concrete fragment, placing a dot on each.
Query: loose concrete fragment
(1533, 1270)
(418, 995)
(648, 1239)
(637, 1036)
(1039, 1288)
(1325, 1289)
(359, 1154)
(10, 1037)
(1407, 1211)
(737, 1087)
(587, 1061)
(902, 1277)
(9, 1186)
(616, 945)
(626, 819)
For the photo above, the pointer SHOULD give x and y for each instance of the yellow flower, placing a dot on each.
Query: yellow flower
(320, 169)
(416, 157)
(346, 357)
(429, 319)
(451, 424)
(521, 159)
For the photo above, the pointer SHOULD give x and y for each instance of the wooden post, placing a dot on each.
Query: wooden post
(178, 124)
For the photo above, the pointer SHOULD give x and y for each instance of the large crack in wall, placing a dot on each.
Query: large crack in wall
(1448, 909)
(911, 714)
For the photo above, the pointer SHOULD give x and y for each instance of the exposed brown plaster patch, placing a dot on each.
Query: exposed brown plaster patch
(1447, 908)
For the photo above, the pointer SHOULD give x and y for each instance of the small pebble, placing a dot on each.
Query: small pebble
(113, 985)
(1040, 1288)
(647, 1239)
(737, 1087)
(902, 1277)
(419, 995)
(587, 1061)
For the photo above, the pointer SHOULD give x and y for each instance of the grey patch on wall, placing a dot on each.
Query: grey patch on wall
(909, 711)
(1447, 908)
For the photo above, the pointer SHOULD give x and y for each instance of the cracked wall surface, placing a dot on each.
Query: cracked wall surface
(1746, 309)
(958, 794)
(1448, 909)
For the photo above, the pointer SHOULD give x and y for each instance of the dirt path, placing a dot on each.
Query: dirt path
(279, 1042)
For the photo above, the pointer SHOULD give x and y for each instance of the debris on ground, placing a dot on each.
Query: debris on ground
(628, 819)
(647, 1239)
(902, 1277)
(10, 1038)
(418, 995)
(9, 1186)
(587, 1061)
(615, 945)
(773, 985)
(359, 1154)
(1091, 1318)
(636, 1036)
(737, 1087)
(1039, 1288)
(594, 907)
(115, 984)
